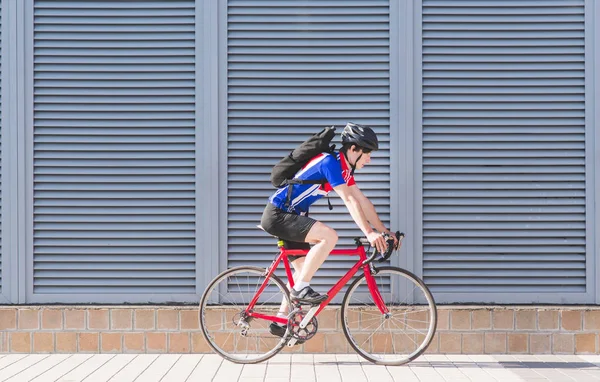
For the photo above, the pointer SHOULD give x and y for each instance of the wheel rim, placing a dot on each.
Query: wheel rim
(222, 307)
(402, 336)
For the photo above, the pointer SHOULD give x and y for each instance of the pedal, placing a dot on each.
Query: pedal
(309, 316)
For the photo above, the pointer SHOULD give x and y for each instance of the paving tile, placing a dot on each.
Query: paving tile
(228, 372)
(377, 373)
(426, 373)
(86, 368)
(492, 367)
(350, 368)
(62, 368)
(302, 368)
(9, 359)
(182, 369)
(161, 366)
(206, 368)
(402, 374)
(23, 364)
(254, 371)
(110, 368)
(470, 369)
(134, 368)
(39, 368)
(279, 367)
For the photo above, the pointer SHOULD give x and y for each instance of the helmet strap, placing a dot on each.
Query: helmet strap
(353, 165)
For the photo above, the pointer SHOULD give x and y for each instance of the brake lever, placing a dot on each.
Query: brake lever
(399, 236)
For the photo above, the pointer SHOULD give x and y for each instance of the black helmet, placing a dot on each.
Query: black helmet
(359, 135)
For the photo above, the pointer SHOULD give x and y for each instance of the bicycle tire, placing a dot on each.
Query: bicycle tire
(431, 329)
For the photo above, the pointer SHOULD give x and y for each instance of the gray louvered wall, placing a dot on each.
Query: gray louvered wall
(1, 131)
(504, 146)
(114, 147)
(294, 68)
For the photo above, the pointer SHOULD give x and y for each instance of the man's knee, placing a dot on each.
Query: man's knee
(331, 237)
(322, 233)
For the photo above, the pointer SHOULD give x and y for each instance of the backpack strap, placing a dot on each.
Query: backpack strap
(290, 184)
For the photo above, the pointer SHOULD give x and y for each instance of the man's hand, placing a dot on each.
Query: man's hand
(378, 241)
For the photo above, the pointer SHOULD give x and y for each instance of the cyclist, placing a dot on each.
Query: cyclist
(290, 221)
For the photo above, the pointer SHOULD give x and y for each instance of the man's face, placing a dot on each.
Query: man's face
(364, 159)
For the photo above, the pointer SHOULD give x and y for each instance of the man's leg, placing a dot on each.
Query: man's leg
(297, 264)
(325, 238)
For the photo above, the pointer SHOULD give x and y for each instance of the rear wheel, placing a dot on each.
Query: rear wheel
(399, 336)
(227, 329)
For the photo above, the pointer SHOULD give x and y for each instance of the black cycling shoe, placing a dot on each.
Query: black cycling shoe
(279, 331)
(307, 296)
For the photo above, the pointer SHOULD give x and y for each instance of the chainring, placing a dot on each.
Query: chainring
(302, 334)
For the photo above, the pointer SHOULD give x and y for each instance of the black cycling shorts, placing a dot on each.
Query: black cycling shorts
(291, 228)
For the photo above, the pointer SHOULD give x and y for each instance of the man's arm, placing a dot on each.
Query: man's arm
(354, 206)
(369, 209)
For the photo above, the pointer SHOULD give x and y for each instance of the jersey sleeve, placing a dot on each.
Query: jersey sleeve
(350, 181)
(332, 170)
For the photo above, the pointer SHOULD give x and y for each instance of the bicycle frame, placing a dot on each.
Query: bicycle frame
(283, 255)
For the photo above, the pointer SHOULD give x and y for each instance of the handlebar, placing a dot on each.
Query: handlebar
(384, 256)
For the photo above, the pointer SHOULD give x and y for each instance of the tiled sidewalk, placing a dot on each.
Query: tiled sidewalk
(294, 367)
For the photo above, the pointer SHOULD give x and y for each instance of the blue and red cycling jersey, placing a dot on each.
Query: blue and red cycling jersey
(332, 167)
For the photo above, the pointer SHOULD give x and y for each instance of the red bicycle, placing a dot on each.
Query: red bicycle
(388, 314)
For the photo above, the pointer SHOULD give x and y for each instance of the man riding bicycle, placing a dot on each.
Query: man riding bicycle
(289, 221)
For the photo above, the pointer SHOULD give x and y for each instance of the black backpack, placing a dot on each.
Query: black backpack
(284, 171)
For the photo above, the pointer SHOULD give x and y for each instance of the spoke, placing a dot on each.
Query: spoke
(370, 326)
(409, 319)
(414, 328)
(228, 299)
(378, 313)
(240, 289)
(386, 341)
(416, 311)
(213, 325)
(411, 292)
(267, 345)
(362, 302)
(235, 345)
(394, 319)
(413, 341)
(409, 336)
(373, 333)
(263, 303)
(229, 335)
(393, 343)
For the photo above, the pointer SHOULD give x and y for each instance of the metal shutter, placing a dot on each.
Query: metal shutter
(504, 146)
(294, 68)
(114, 147)
(1, 131)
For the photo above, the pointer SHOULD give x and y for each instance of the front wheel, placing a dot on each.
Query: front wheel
(402, 334)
